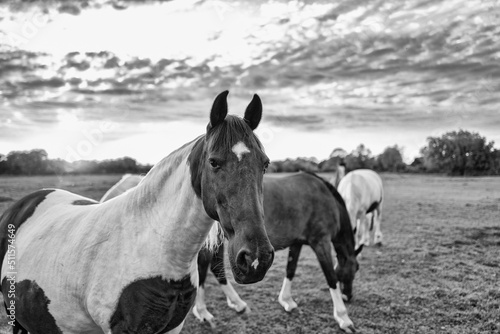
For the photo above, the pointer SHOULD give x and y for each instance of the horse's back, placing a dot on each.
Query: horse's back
(35, 216)
(298, 206)
(128, 181)
(364, 185)
(16, 215)
(370, 177)
(27, 231)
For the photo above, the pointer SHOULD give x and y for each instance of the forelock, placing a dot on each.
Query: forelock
(233, 130)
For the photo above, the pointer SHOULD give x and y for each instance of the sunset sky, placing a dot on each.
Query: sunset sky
(139, 82)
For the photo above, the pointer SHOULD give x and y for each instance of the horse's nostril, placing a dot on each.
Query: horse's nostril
(243, 260)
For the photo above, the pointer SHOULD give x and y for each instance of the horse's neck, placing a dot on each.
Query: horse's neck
(164, 208)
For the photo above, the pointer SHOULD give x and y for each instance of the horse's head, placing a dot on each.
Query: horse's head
(228, 165)
(347, 267)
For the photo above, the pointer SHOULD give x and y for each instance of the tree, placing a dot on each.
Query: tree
(391, 159)
(460, 153)
(289, 165)
(361, 157)
(27, 162)
(3, 164)
(336, 158)
(338, 152)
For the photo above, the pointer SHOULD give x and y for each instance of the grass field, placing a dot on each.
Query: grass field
(438, 271)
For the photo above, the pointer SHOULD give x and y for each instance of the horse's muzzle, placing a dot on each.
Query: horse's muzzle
(250, 269)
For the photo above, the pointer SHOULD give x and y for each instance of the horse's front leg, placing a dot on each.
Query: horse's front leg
(200, 310)
(233, 299)
(364, 229)
(285, 298)
(324, 251)
(378, 238)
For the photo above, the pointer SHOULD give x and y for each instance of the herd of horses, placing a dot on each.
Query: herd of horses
(136, 261)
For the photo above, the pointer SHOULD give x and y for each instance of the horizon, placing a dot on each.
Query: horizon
(94, 86)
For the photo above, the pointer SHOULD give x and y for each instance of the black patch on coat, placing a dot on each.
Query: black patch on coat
(84, 202)
(16, 328)
(153, 305)
(293, 259)
(16, 215)
(372, 207)
(32, 308)
(204, 261)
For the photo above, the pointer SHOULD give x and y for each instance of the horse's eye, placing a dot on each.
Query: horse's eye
(213, 163)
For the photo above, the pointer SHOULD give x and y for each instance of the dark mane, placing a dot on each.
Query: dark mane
(330, 187)
(345, 221)
(229, 132)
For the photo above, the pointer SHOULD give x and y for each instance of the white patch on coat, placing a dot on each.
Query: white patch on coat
(340, 311)
(255, 264)
(239, 149)
(285, 296)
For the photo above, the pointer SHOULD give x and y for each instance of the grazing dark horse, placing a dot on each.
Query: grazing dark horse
(129, 265)
(300, 209)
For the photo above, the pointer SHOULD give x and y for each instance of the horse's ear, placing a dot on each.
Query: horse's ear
(253, 113)
(219, 109)
(357, 251)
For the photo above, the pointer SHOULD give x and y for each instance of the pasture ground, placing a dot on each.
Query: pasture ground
(438, 271)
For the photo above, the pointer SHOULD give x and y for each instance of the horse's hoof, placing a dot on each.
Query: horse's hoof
(245, 310)
(238, 307)
(289, 306)
(349, 329)
(379, 244)
(211, 322)
(204, 316)
(344, 298)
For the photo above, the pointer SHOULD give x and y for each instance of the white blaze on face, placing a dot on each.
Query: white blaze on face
(239, 149)
(255, 264)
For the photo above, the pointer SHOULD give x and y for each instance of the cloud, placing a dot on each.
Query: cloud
(383, 70)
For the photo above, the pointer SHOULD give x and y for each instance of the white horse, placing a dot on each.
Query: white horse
(129, 265)
(363, 194)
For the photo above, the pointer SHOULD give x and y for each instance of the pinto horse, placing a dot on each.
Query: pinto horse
(363, 193)
(129, 265)
(299, 209)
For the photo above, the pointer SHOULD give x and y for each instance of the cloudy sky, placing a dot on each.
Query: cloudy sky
(106, 81)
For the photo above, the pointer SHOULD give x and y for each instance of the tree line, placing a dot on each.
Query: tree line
(454, 153)
(36, 162)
